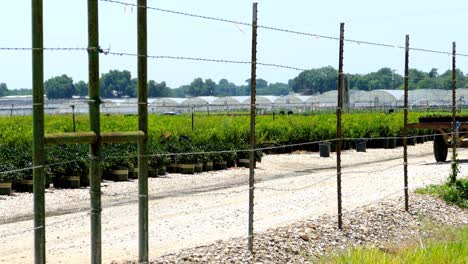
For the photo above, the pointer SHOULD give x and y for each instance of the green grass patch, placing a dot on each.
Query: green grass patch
(446, 245)
(453, 193)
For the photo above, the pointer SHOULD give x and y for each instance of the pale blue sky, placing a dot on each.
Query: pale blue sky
(431, 24)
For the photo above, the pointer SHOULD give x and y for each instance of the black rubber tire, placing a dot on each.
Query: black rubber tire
(440, 149)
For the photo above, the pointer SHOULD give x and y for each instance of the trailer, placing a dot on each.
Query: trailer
(443, 138)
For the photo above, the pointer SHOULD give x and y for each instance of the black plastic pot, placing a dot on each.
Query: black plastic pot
(27, 185)
(84, 180)
(324, 149)
(220, 165)
(187, 168)
(5, 188)
(419, 140)
(199, 167)
(243, 163)
(71, 182)
(360, 145)
(162, 171)
(208, 166)
(133, 173)
(390, 143)
(173, 168)
(120, 175)
(152, 173)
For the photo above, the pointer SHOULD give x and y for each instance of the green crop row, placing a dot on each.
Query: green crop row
(174, 134)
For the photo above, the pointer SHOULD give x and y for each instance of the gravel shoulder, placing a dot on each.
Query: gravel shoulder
(382, 225)
(189, 211)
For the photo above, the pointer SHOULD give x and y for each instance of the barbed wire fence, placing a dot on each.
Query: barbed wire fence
(254, 64)
(271, 187)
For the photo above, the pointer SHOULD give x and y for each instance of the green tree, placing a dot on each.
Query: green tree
(81, 89)
(117, 83)
(3, 89)
(275, 89)
(433, 73)
(59, 87)
(209, 88)
(226, 88)
(158, 89)
(316, 81)
(259, 84)
(196, 87)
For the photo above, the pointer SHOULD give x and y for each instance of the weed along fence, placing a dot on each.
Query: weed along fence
(98, 146)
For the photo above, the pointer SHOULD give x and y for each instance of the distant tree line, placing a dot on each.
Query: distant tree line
(117, 84)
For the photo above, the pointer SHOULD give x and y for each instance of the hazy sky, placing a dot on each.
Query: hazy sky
(431, 24)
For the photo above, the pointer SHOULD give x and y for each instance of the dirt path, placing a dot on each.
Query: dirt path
(186, 211)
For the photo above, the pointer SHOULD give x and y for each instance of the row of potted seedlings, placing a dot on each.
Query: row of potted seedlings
(120, 164)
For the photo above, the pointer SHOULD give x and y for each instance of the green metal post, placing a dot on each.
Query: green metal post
(143, 127)
(405, 126)
(38, 132)
(95, 124)
(253, 85)
(338, 127)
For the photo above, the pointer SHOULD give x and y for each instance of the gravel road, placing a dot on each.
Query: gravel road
(191, 210)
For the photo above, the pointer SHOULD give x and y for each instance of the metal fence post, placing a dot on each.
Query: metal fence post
(73, 117)
(405, 126)
(192, 117)
(454, 110)
(143, 127)
(95, 123)
(38, 131)
(338, 125)
(253, 85)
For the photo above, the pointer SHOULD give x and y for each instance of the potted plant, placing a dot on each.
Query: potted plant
(6, 178)
(243, 158)
(208, 162)
(66, 174)
(186, 162)
(119, 160)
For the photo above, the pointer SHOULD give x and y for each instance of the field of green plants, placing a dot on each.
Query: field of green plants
(173, 134)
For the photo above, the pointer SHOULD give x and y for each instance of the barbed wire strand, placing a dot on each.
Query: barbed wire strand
(162, 57)
(283, 30)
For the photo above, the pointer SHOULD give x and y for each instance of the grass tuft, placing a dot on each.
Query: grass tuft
(453, 193)
(452, 248)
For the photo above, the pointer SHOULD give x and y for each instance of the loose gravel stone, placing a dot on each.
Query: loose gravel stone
(378, 225)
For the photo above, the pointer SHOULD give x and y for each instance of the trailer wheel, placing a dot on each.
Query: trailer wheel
(440, 149)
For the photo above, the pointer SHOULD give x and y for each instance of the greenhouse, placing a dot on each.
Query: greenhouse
(168, 101)
(291, 100)
(228, 100)
(329, 98)
(197, 101)
(261, 100)
(429, 97)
